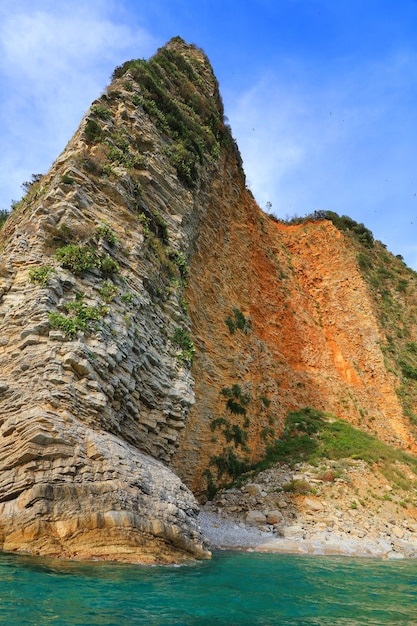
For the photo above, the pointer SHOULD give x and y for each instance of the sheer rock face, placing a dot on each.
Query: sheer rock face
(95, 382)
(314, 337)
(100, 409)
(69, 491)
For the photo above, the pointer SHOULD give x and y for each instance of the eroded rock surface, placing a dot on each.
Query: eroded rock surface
(348, 508)
(74, 492)
(156, 324)
(95, 382)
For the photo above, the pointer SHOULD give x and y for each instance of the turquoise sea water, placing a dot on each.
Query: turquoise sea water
(232, 589)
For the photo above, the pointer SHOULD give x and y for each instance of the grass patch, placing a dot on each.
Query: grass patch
(238, 322)
(105, 232)
(66, 179)
(101, 112)
(231, 432)
(93, 131)
(78, 258)
(108, 291)
(41, 275)
(237, 400)
(297, 486)
(79, 317)
(181, 262)
(312, 436)
(109, 265)
(229, 464)
(3, 217)
(182, 340)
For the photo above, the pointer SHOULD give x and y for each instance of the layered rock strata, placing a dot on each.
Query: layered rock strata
(156, 326)
(95, 373)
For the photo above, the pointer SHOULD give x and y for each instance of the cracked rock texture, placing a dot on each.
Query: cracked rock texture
(120, 376)
(91, 414)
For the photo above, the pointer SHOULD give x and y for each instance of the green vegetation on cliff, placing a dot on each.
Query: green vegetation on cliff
(174, 90)
(392, 287)
(3, 217)
(312, 436)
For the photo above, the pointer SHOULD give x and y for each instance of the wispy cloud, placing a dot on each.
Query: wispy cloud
(326, 121)
(337, 141)
(55, 58)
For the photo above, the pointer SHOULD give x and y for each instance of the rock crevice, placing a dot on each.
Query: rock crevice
(156, 326)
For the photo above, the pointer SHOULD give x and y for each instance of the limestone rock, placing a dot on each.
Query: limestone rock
(412, 527)
(311, 505)
(75, 492)
(397, 532)
(156, 327)
(292, 532)
(273, 517)
(95, 363)
(253, 489)
(255, 518)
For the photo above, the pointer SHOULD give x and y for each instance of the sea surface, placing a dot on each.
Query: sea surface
(233, 588)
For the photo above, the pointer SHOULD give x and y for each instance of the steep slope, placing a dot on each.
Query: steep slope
(157, 326)
(96, 353)
(314, 339)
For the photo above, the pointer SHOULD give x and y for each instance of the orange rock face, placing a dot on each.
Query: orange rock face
(138, 249)
(312, 339)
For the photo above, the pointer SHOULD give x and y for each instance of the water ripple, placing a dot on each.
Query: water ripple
(233, 589)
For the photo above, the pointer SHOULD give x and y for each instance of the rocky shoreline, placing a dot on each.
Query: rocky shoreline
(333, 517)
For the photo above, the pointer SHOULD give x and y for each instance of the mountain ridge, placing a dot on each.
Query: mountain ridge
(157, 326)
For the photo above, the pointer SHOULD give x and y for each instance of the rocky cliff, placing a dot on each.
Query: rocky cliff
(156, 326)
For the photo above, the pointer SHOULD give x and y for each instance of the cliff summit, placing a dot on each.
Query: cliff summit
(157, 328)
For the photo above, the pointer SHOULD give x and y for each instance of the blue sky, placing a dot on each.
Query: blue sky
(321, 94)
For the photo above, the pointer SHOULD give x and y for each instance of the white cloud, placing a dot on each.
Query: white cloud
(342, 141)
(41, 45)
(55, 58)
(263, 120)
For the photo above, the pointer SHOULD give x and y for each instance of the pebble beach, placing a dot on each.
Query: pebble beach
(333, 518)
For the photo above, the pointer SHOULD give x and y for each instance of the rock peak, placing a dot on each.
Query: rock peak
(157, 327)
(189, 50)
